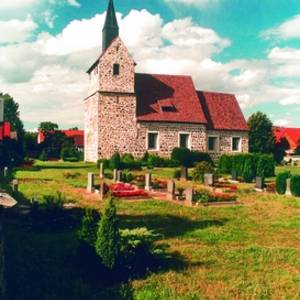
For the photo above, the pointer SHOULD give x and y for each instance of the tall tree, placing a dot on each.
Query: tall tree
(261, 137)
(108, 236)
(280, 149)
(48, 126)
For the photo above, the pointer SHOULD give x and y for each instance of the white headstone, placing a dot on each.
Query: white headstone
(288, 187)
(101, 170)
(148, 183)
(90, 184)
(171, 190)
(119, 176)
(189, 193)
(115, 173)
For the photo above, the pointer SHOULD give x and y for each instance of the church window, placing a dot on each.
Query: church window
(236, 144)
(213, 143)
(116, 69)
(184, 140)
(152, 141)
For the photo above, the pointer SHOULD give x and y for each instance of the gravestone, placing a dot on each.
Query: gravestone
(101, 190)
(90, 184)
(288, 187)
(15, 185)
(183, 173)
(101, 171)
(148, 182)
(119, 176)
(260, 183)
(115, 173)
(189, 193)
(171, 190)
(209, 179)
(5, 172)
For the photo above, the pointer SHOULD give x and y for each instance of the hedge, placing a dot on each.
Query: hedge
(249, 169)
(261, 165)
(281, 179)
(295, 185)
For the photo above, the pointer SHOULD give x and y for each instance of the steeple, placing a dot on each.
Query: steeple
(111, 29)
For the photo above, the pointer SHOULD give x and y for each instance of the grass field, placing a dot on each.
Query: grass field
(250, 251)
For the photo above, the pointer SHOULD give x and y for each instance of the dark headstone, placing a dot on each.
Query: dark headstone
(234, 174)
(184, 173)
(260, 183)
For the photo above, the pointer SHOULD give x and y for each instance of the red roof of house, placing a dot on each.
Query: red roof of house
(177, 93)
(222, 111)
(76, 135)
(291, 134)
(5, 130)
(172, 98)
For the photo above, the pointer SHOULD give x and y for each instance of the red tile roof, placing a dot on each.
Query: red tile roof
(222, 111)
(171, 98)
(157, 91)
(291, 134)
(76, 135)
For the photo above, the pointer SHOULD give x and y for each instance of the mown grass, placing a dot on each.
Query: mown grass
(250, 251)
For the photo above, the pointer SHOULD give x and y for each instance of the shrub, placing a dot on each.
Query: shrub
(295, 185)
(238, 162)
(249, 169)
(89, 225)
(105, 163)
(145, 157)
(127, 157)
(197, 156)
(281, 182)
(200, 169)
(132, 165)
(115, 161)
(154, 161)
(225, 164)
(43, 156)
(265, 166)
(183, 156)
(176, 174)
(108, 238)
(54, 203)
(71, 159)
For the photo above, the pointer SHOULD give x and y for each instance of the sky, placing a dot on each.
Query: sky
(249, 48)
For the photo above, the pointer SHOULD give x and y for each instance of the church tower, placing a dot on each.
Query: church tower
(110, 109)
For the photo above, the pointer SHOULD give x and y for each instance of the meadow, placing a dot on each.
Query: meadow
(250, 251)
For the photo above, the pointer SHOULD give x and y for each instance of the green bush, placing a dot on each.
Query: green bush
(265, 166)
(89, 225)
(115, 161)
(132, 165)
(281, 179)
(295, 185)
(183, 156)
(108, 237)
(138, 245)
(145, 157)
(54, 204)
(198, 156)
(225, 164)
(43, 156)
(249, 169)
(200, 169)
(154, 161)
(105, 163)
(238, 162)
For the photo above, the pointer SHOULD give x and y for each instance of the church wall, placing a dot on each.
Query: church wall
(169, 136)
(225, 141)
(91, 128)
(117, 53)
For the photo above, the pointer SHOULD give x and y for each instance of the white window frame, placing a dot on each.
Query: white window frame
(147, 141)
(240, 144)
(189, 139)
(218, 143)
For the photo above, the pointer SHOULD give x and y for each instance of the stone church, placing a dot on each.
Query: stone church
(133, 113)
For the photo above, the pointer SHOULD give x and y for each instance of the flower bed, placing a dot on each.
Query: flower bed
(205, 196)
(159, 184)
(123, 190)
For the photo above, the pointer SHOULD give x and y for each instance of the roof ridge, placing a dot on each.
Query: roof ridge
(158, 74)
(219, 93)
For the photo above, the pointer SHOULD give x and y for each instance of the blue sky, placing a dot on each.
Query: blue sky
(250, 48)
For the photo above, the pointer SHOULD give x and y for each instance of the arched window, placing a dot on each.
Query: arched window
(116, 69)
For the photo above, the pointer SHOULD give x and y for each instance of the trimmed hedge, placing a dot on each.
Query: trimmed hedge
(260, 165)
(295, 185)
(281, 179)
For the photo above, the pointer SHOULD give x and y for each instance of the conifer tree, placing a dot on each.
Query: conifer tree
(108, 236)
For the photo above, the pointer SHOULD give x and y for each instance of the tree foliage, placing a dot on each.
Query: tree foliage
(261, 138)
(48, 126)
(280, 148)
(108, 236)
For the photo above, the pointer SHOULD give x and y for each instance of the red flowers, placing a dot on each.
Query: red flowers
(126, 190)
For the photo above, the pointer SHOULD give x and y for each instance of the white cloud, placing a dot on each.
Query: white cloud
(16, 30)
(291, 100)
(288, 30)
(282, 123)
(284, 54)
(12, 4)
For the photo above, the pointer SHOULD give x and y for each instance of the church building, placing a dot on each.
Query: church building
(129, 112)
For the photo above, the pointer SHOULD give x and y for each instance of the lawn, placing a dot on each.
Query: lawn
(250, 251)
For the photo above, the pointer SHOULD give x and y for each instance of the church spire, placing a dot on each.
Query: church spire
(111, 29)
